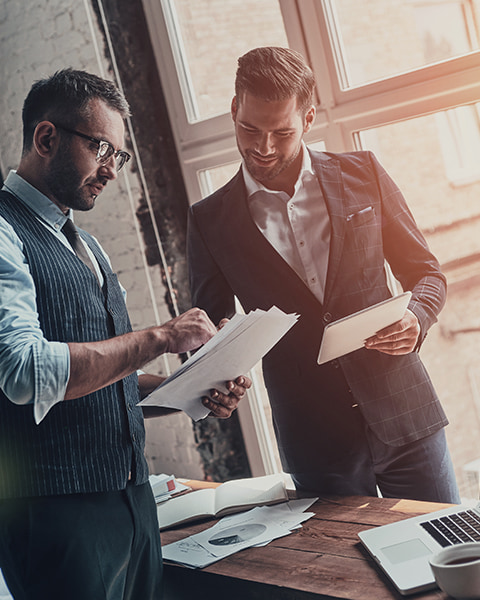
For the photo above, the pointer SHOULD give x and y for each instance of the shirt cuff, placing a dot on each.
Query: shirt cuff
(52, 372)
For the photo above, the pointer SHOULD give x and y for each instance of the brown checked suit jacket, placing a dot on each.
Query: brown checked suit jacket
(370, 223)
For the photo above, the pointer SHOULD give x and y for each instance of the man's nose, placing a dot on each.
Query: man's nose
(109, 169)
(265, 144)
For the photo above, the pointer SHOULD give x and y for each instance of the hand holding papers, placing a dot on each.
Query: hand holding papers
(233, 351)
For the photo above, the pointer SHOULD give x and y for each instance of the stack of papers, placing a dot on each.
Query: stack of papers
(257, 527)
(165, 486)
(233, 351)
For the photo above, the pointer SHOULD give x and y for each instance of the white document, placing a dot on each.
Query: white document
(233, 351)
(349, 334)
(257, 527)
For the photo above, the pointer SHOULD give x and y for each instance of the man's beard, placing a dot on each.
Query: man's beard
(265, 174)
(65, 183)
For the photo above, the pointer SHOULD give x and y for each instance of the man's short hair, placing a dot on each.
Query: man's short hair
(65, 98)
(272, 74)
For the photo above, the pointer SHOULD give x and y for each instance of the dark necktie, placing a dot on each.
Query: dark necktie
(72, 235)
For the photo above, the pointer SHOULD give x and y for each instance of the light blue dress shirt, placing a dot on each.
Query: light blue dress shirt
(33, 369)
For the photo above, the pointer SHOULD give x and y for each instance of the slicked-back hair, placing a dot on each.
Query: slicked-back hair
(65, 98)
(273, 73)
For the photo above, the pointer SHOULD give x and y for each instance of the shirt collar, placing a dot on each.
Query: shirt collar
(253, 186)
(37, 202)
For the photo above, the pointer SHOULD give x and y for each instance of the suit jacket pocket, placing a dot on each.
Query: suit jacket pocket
(361, 217)
(362, 258)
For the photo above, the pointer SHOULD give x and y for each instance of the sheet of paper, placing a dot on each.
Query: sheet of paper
(242, 531)
(233, 351)
(256, 527)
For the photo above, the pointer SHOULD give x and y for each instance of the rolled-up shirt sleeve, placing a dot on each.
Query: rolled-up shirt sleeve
(33, 370)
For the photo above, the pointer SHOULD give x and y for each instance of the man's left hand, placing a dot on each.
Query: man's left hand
(399, 338)
(223, 405)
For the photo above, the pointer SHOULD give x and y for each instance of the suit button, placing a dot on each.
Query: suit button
(327, 317)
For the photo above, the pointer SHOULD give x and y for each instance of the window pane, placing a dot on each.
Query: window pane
(422, 155)
(208, 37)
(375, 39)
(212, 179)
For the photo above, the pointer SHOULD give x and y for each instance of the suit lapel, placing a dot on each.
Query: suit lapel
(330, 179)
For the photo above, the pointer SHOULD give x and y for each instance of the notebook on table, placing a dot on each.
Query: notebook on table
(403, 549)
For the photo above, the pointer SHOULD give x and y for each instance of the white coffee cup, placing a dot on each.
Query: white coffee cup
(457, 570)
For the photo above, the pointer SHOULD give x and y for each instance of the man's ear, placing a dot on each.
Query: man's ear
(45, 138)
(233, 108)
(309, 119)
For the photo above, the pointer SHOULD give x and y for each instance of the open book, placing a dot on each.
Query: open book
(229, 497)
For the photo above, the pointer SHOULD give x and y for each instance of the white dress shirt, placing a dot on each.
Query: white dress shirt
(298, 227)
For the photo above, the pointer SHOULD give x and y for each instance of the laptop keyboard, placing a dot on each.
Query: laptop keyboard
(456, 528)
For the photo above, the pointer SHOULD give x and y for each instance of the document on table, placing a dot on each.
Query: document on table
(256, 527)
(233, 351)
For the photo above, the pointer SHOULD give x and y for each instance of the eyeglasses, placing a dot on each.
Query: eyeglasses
(105, 149)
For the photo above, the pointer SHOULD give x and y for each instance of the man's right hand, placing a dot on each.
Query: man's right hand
(188, 331)
(94, 365)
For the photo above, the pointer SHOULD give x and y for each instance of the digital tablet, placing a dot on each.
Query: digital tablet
(349, 334)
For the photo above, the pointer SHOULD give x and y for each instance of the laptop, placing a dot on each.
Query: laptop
(403, 549)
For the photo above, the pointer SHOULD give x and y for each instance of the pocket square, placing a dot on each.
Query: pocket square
(362, 216)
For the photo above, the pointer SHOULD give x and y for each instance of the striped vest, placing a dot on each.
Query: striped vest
(93, 443)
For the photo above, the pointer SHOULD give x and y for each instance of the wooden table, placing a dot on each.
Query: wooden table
(324, 559)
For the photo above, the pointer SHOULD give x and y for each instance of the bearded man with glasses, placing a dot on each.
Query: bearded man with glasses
(77, 514)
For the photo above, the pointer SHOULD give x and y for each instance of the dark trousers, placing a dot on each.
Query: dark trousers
(421, 470)
(336, 452)
(101, 546)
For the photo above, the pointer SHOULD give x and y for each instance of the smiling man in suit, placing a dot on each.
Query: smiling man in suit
(310, 232)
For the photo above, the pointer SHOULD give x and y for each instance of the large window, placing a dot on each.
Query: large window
(396, 36)
(206, 46)
(399, 77)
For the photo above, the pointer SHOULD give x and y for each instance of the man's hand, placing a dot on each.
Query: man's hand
(399, 338)
(188, 331)
(94, 365)
(223, 405)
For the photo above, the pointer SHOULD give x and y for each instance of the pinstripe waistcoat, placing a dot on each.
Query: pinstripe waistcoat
(89, 444)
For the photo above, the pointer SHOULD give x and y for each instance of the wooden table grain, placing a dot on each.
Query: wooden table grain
(322, 560)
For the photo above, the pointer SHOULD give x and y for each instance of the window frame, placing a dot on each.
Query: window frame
(341, 112)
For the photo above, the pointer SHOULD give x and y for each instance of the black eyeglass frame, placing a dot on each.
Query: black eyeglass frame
(121, 156)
